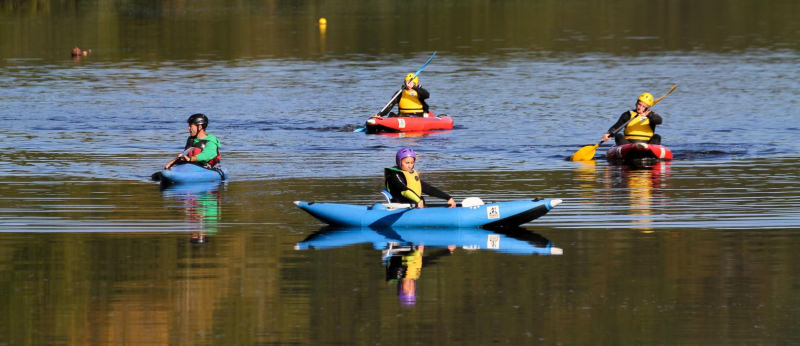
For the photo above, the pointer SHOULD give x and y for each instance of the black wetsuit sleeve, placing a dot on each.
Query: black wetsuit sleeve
(394, 101)
(395, 182)
(622, 119)
(429, 190)
(423, 94)
(655, 119)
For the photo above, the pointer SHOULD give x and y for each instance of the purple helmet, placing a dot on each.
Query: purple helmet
(407, 298)
(403, 153)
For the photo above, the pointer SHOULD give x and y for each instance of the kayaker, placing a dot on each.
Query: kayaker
(642, 128)
(411, 101)
(405, 185)
(201, 148)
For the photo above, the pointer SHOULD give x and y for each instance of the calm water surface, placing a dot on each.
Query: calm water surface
(698, 251)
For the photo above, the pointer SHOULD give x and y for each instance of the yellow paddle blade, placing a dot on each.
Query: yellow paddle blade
(584, 154)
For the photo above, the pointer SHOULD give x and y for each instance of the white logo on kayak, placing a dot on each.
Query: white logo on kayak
(493, 212)
(493, 241)
(401, 123)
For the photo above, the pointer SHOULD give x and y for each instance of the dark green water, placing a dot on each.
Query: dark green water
(699, 251)
(680, 254)
(221, 30)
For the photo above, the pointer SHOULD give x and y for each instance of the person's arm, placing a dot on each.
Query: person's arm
(430, 190)
(422, 94)
(391, 105)
(209, 152)
(396, 183)
(622, 119)
(655, 119)
(182, 156)
(171, 163)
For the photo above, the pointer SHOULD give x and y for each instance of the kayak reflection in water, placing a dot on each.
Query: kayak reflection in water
(410, 101)
(405, 185)
(641, 124)
(201, 148)
(201, 206)
(402, 249)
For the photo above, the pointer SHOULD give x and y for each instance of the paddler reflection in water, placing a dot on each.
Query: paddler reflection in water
(403, 262)
(201, 148)
(203, 209)
(411, 101)
(404, 266)
(405, 185)
(643, 126)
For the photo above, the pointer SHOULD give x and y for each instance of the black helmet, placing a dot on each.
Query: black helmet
(198, 119)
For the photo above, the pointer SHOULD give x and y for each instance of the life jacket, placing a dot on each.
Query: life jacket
(638, 129)
(413, 183)
(410, 102)
(413, 264)
(194, 148)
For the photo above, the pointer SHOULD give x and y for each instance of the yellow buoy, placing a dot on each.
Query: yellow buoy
(323, 21)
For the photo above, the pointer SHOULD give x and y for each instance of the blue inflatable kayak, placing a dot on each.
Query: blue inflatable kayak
(517, 241)
(383, 215)
(191, 173)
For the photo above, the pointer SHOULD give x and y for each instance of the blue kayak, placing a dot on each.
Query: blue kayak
(383, 215)
(191, 173)
(516, 241)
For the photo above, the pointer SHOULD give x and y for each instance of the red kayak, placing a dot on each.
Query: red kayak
(408, 124)
(639, 151)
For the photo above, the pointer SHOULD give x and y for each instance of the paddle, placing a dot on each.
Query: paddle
(468, 202)
(389, 104)
(587, 152)
(157, 175)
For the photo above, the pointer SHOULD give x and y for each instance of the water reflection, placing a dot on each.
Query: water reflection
(201, 206)
(645, 185)
(585, 176)
(513, 241)
(413, 134)
(403, 251)
(404, 266)
(179, 29)
(323, 27)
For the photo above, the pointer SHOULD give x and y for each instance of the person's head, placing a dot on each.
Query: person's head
(197, 123)
(407, 292)
(411, 77)
(405, 159)
(644, 102)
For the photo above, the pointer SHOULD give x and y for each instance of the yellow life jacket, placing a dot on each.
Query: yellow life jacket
(413, 184)
(413, 263)
(409, 102)
(413, 188)
(638, 129)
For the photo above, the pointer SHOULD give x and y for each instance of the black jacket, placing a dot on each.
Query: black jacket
(655, 119)
(396, 183)
(422, 95)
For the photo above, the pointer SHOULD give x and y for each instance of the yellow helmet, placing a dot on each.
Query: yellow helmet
(646, 98)
(412, 76)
